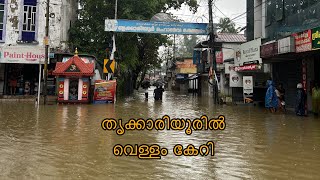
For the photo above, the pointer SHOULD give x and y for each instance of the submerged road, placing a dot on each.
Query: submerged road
(67, 142)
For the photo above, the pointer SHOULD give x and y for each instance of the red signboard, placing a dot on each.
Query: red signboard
(105, 91)
(303, 41)
(219, 57)
(247, 68)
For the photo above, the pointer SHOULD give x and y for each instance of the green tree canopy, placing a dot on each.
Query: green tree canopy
(136, 52)
(227, 26)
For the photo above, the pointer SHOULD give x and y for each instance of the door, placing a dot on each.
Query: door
(73, 89)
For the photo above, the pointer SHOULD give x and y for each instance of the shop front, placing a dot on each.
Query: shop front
(249, 63)
(19, 69)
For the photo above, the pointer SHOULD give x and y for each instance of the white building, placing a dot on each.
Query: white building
(22, 34)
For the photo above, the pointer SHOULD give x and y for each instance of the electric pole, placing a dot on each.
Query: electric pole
(45, 84)
(213, 54)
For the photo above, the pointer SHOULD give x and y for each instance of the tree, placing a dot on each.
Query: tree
(227, 26)
(187, 46)
(136, 52)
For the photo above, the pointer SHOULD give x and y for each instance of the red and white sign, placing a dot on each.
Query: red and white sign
(22, 54)
(303, 41)
(219, 57)
(247, 68)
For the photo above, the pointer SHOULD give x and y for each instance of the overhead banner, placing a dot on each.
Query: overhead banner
(105, 91)
(22, 54)
(135, 26)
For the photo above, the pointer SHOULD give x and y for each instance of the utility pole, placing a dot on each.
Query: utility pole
(213, 54)
(45, 89)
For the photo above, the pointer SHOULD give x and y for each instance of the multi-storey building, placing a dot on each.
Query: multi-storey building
(290, 41)
(22, 37)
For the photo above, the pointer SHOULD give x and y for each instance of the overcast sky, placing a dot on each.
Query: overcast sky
(228, 8)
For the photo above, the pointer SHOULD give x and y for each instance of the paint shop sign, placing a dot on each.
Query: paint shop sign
(22, 55)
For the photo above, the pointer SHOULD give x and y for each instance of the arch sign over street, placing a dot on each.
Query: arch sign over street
(120, 25)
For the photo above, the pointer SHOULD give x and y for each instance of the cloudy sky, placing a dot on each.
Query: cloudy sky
(228, 8)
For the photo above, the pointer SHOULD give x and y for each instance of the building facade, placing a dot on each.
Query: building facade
(22, 39)
(289, 33)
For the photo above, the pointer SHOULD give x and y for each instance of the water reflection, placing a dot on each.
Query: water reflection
(66, 141)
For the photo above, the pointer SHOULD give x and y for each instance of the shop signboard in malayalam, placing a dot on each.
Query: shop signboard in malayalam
(303, 41)
(22, 55)
(248, 53)
(316, 38)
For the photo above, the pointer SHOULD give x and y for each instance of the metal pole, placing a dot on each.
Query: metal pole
(114, 38)
(46, 54)
(211, 46)
(39, 84)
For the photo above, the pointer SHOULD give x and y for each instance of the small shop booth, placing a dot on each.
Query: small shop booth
(73, 80)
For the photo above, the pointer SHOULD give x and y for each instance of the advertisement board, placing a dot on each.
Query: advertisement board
(247, 86)
(235, 79)
(303, 41)
(286, 45)
(228, 68)
(316, 38)
(219, 57)
(105, 91)
(248, 53)
(22, 54)
(269, 50)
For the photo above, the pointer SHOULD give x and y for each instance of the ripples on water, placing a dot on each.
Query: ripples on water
(62, 142)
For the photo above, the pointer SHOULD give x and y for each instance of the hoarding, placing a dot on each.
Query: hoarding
(235, 79)
(104, 91)
(135, 26)
(286, 45)
(316, 38)
(247, 86)
(248, 53)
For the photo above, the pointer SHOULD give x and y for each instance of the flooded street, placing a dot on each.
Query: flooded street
(67, 142)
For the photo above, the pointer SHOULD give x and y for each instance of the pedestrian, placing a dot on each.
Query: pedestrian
(316, 99)
(280, 91)
(300, 100)
(145, 85)
(271, 99)
(157, 93)
(161, 92)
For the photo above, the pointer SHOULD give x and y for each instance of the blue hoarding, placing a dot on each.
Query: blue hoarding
(135, 26)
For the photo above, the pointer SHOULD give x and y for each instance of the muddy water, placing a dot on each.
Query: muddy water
(67, 142)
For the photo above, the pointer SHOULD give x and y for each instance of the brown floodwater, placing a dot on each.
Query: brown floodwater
(67, 142)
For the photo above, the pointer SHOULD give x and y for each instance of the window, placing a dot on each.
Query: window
(2, 20)
(29, 21)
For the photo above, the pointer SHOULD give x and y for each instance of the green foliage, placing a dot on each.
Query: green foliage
(187, 46)
(136, 53)
(227, 26)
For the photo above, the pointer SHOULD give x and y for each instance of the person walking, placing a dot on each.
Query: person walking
(316, 99)
(157, 93)
(280, 91)
(145, 85)
(300, 101)
(271, 99)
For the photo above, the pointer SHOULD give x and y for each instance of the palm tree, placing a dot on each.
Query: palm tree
(227, 26)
